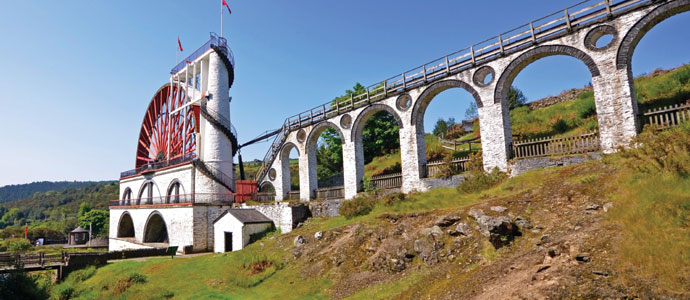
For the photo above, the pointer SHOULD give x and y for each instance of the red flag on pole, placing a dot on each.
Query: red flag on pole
(179, 43)
(228, 6)
(26, 231)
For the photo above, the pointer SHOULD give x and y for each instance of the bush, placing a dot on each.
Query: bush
(65, 292)
(393, 198)
(560, 126)
(83, 274)
(667, 151)
(137, 278)
(18, 245)
(585, 105)
(359, 206)
(20, 285)
(479, 181)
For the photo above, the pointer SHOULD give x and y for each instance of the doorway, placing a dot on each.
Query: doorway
(228, 241)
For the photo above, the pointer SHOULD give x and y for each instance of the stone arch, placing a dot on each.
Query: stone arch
(149, 186)
(173, 192)
(155, 230)
(286, 148)
(527, 58)
(311, 146)
(640, 29)
(285, 166)
(127, 196)
(125, 227)
(317, 129)
(431, 91)
(366, 113)
(266, 185)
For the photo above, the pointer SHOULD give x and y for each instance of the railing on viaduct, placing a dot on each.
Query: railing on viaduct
(540, 30)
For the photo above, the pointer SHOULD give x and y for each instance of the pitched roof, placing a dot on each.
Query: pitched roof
(79, 230)
(245, 215)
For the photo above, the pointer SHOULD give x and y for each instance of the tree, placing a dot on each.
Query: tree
(471, 111)
(516, 97)
(98, 219)
(329, 157)
(380, 135)
(84, 208)
(440, 128)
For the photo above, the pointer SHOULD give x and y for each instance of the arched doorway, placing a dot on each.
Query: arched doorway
(155, 230)
(125, 228)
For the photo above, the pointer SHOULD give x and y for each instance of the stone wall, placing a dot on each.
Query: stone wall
(284, 215)
(326, 208)
(520, 166)
(562, 97)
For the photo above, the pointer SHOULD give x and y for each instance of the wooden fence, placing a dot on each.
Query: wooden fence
(583, 143)
(9, 260)
(386, 181)
(336, 192)
(266, 197)
(457, 166)
(453, 145)
(667, 116)
(293, 195)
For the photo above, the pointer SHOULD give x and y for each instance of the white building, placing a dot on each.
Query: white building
(184, 176)
(236, 228)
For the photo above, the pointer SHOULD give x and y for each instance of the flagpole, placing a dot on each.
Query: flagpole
(221, 18)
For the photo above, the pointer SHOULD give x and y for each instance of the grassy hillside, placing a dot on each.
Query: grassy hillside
(617, 228)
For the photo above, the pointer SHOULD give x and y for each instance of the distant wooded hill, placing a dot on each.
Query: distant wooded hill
(16, 192)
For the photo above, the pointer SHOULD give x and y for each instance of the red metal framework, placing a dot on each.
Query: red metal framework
(166, 135)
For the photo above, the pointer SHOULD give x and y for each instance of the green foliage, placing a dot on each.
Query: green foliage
(663, 87)
(135, 277)
(585, 106)
(516, 97)
(665, 151)
(392, 198)
(358, 206)
(65, 292)
(329, 155)
(15, 192)
(442, 126)
(480, 181)
(21, 285)
(18, 245)
(57, 210)
(97, 219)
(380, 135)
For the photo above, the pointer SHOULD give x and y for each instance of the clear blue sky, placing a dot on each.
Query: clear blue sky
(77, 75)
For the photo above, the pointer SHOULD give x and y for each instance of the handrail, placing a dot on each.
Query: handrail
(159, 165)
(214, 41)
(479, 53)
(205, 198)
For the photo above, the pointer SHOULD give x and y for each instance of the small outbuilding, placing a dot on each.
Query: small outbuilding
(78, 236)
(235, 228)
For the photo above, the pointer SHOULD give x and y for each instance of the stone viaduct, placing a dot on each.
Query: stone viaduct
(486, 70)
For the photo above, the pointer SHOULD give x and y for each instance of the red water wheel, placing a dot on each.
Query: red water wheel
(166, 135)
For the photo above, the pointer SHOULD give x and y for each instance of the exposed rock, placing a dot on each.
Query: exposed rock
(318, 235)
(475, 213)
(299, 241)
(500, 230)
(593, 207)
(418, 246)
(447, 220)
(498, 209)
(608, 206)
(396, 265)
(523, 223)
(463, 229)
(600, 273)
(436, 232)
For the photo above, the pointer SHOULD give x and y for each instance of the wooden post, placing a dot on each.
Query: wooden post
(385, 88)
(352, 101)
(472, 51)
(424, 73)
(608, 8)
(567, 20)
(447, 65)
(500, 43)
(404, 81)
(337, 106)
(531, 29)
